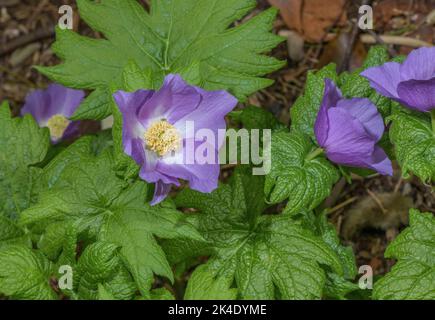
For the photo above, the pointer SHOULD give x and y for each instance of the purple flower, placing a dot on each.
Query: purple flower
(411, 83)
(348, 131)
(52, 107)
(156, 133)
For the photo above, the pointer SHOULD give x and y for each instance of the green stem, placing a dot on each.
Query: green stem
(314, 154)
(432, 115)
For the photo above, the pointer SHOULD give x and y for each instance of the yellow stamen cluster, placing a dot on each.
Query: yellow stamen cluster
(162, 137)
(57, 125)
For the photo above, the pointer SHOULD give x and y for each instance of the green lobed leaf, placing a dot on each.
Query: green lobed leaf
(11, 233)
(414, 143)
(203, 285)
(161, 294)
(304, 182)
(189, 37)
(122, 285)
(104, 293)
(253, 117)
(413, 276)
(133, 78)
(267, 256)
(337, 286)
(99, 268)
(98, 262)
(76, 152)
(329, 235)
(95, 106)
(22, 145)
(377, 55)
(59, 243)
(24, 274)
(101, 205)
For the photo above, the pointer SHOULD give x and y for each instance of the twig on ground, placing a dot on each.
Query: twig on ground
(395, 40)
(398, 185)
(379, 40)
(18, 77)
(26, 39)
(377, 200)
(342, 205)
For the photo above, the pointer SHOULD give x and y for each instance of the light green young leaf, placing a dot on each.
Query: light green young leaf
(104, 294)
(268, 256)
(76, 152)
(98, 203)
(11, 233)
(100, 267)
(122, 286)
(304, 182)
(161, 294)
(24, 274)
(96, 106)
(203, 285)
(177, 36)
(414, 143)
(59, 243)
(22, 145)
(329, 235)
(413, 276)
(337, 286)
(133, 78)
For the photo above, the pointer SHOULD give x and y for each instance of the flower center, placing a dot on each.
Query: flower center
(162, 137)
(57, 125)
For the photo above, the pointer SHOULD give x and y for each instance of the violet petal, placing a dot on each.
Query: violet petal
(330, 98)
(173, 101)
(367, 113)
(384, 79)
(419, 65)
(418, 94)
(176, 102)
(348, 142)
(380, 162)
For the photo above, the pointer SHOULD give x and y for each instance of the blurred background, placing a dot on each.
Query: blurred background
(368, 213)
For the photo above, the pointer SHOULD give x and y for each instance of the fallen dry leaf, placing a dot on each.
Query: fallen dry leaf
(311, 18)
(335, 51)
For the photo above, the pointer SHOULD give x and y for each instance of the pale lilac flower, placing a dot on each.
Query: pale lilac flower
(52, 107)
(411, 83)
(154, 132)
(348, 130)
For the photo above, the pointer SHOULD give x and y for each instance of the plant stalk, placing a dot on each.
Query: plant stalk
(432, 115)
(314, 154)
